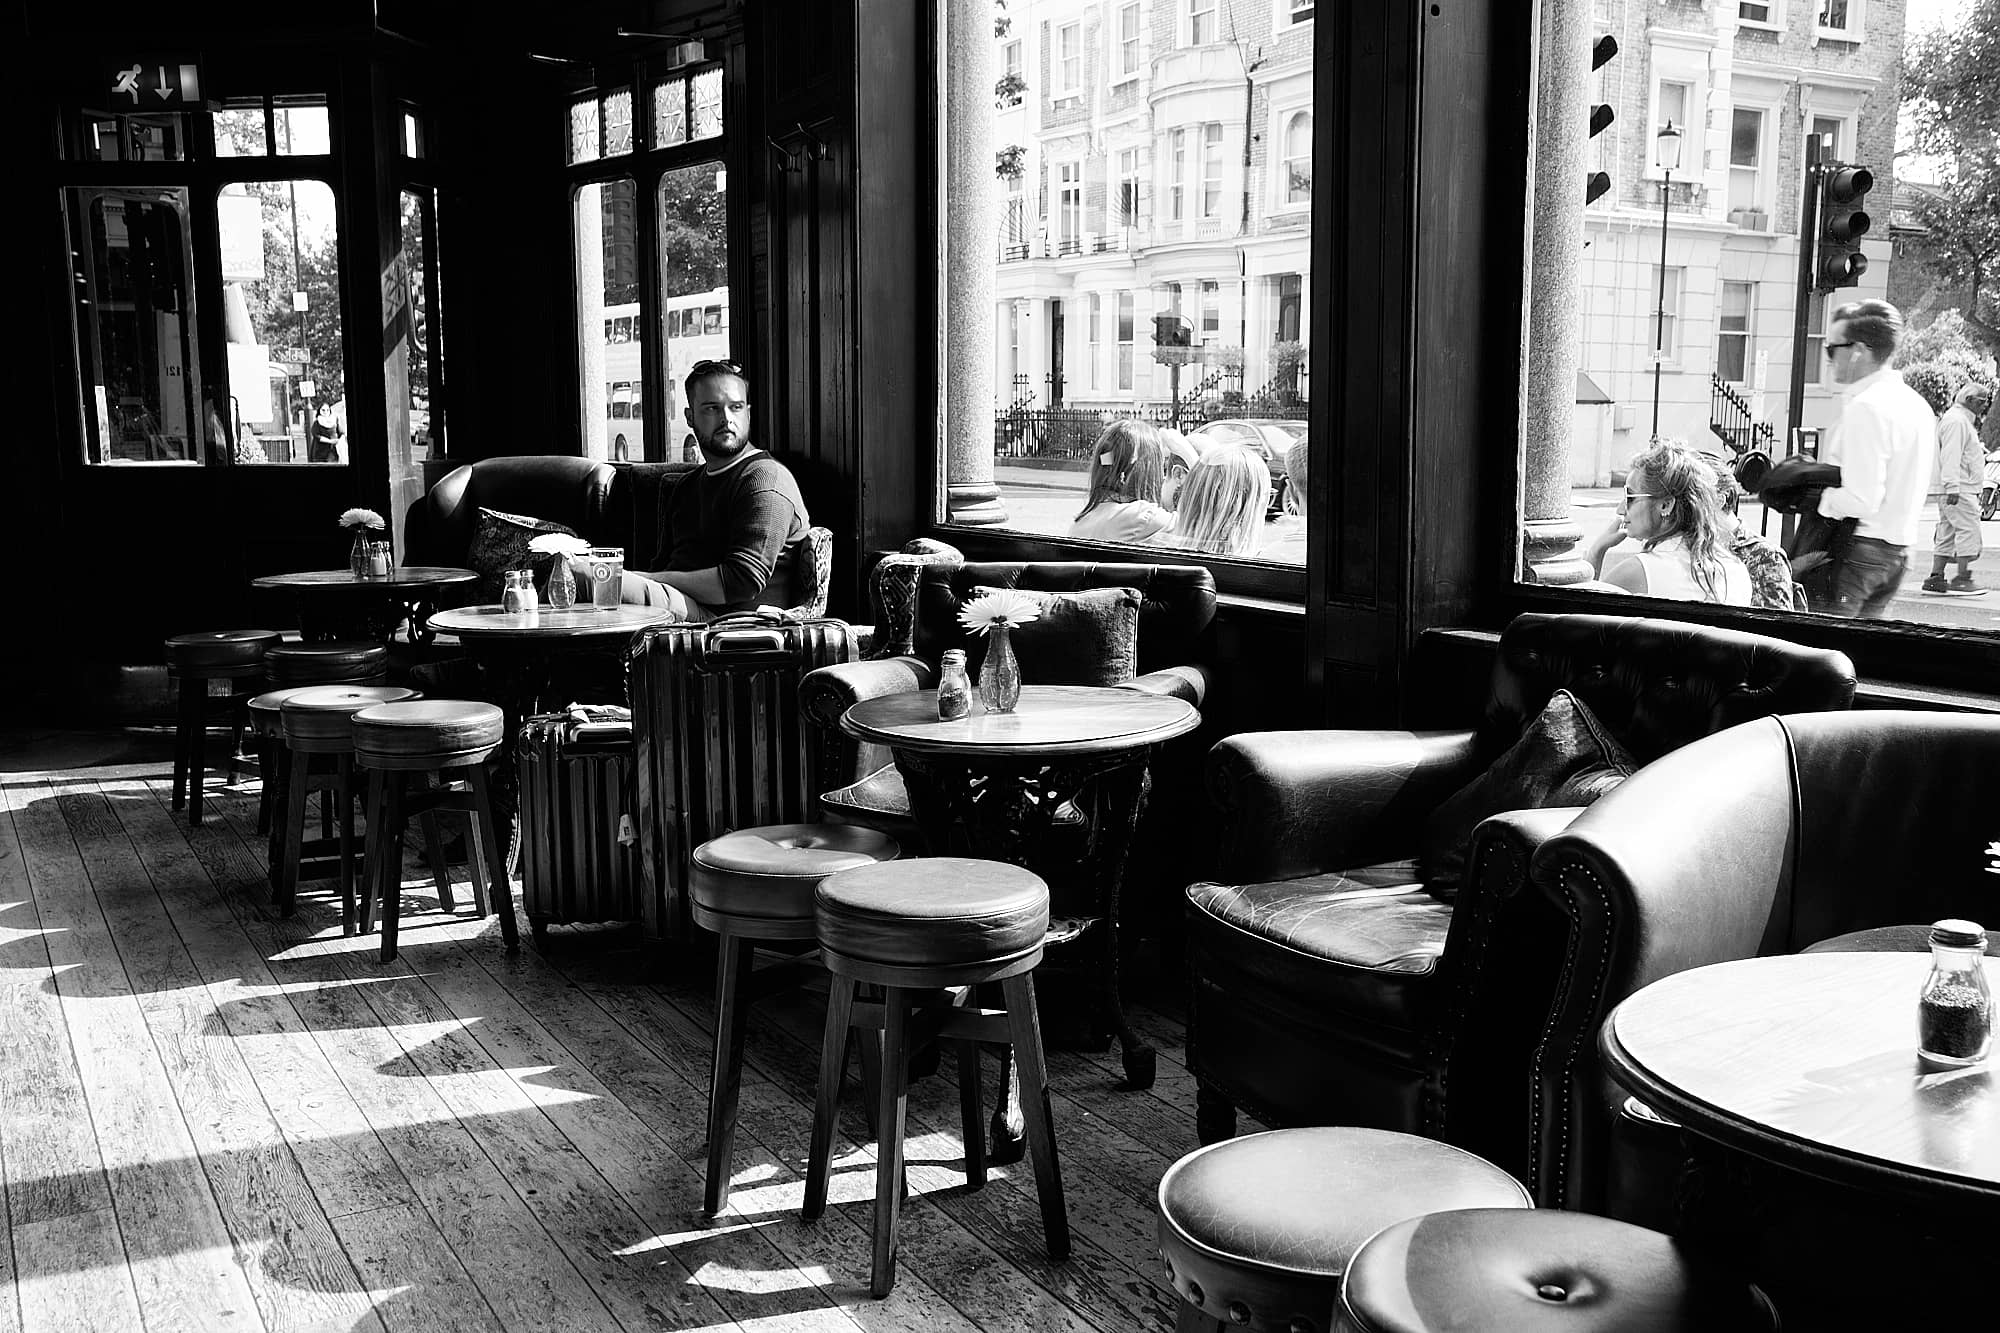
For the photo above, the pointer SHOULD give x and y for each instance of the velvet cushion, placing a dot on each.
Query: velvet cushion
(500, 543)
(1564, 757)
(1081, 638)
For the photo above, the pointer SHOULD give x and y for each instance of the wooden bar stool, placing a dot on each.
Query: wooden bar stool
(445, 738)
(193, 660)
(327, 662)
(274, 761)
(755, 886)
(318, 738)
(915, 928)
(1540, 1272)
(1258, 1230)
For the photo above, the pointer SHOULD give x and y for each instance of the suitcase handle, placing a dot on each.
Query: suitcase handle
(739, 634)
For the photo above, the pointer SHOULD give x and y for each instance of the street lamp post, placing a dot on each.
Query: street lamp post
(1668, 155)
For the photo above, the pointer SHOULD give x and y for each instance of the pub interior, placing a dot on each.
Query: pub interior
(1381, 922)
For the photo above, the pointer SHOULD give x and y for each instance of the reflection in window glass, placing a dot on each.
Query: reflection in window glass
(279, 251)
(693, 206)
(135, 325)
(606, 227)
(419, 364)
(116, 137)
(1229, 381)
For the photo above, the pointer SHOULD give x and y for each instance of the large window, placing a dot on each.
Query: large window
(1191, 208)
(1732, 330)
(650, 226)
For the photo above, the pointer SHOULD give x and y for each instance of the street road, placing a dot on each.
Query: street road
(1044, 500)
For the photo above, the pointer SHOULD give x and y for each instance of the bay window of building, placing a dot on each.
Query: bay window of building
(650, 253)
(1188, 315)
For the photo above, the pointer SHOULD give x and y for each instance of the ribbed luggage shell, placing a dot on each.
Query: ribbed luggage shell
(720, 743)
(574, 792)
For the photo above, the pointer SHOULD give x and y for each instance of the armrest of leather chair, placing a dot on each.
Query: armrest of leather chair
(829, 691)
(1189, 683)
(1298, 803)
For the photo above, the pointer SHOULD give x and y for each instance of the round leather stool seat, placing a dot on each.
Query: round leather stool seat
(1258, 1230)
(1506, 1268)
(429, 733)
(939, 913)
(326, 663)
(317, 717)
(766, 876)
(1891, 939)
(224, 652)
(267, 709)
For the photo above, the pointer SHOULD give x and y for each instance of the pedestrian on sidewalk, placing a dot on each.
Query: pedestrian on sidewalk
(1958, 476)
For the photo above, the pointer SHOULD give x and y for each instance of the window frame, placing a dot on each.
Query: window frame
(1853, 30)
(1213, 169)
(1066, 66)
(1131, 53)
(1672, 298)
(1191, 14)
(1289, 125)
(1772, 21)
(1747, 335)
(1287, 16)
(1764, 172)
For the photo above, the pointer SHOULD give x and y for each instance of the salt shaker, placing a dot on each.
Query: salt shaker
(519, 594)
(954, 688)
(1955, 1010)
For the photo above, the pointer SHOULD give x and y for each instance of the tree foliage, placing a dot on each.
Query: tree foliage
(1941, 357)
(1951, 91)
(694, 251)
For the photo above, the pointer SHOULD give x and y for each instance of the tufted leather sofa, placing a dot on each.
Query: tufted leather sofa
(1762, 839)
(1328, 988)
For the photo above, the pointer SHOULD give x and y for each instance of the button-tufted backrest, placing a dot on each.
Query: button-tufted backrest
(576, 492)
(1657, 684)
(1178, 601)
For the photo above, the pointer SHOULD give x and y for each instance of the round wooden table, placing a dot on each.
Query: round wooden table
(989, 785)
(1818, 1140)
(517, 650)
(331, 601)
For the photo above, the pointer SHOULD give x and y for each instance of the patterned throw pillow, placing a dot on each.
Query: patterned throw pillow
(1564, 757)
(500, 543)
(1081, 638)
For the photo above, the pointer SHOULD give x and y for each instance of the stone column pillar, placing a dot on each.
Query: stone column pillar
(1549, 534)
(971, 223)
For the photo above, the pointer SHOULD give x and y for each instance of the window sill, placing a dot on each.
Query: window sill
(1838, 35)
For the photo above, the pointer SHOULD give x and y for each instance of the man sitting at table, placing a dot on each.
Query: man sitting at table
(729, 527)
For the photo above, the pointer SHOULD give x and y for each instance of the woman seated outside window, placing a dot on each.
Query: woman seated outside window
(1126, 473)
(1678, 535)
(1771, 583)
(1222, 503)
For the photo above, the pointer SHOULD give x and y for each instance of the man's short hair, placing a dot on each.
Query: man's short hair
(1876, 325)
(1972, 391)
(708, 370)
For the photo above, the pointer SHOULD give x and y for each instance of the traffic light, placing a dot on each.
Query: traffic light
(1170, 330)
(1598, 183)
(1842, 223)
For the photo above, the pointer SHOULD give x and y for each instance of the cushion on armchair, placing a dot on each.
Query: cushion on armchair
(1080, 638)
(1565, 757)
(500, 543)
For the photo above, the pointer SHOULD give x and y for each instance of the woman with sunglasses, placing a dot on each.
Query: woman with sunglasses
(1671, 538)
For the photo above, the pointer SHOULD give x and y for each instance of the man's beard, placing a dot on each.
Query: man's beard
(723, 444)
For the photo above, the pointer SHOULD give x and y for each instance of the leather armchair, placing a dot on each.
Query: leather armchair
(1327, 987)
(1763, 839)
(578, 492)
(1179, 603)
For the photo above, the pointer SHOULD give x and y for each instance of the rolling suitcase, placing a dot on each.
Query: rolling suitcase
(579, 840)
(720, 743)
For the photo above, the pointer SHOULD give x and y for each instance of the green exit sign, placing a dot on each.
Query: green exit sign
(154, 83)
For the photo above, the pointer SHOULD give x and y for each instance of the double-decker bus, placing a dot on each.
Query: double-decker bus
(697, 329)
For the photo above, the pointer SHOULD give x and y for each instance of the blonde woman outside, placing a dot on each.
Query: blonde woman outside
(1222, 503)
(1126, 472)
(1670, 538)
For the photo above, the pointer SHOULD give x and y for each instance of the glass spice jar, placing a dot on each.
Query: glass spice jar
(954, 687)
(1955, 1009)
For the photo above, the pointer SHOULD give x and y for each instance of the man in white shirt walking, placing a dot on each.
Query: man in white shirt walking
(1883, 441)
(1961, 470)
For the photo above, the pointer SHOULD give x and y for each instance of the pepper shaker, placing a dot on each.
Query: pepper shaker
(1955, 1009)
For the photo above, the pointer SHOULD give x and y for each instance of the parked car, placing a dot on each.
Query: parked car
(1270, 437)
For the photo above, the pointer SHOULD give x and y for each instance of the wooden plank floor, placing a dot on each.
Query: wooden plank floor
(214, 1119)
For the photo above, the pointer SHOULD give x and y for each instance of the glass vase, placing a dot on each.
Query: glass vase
(357, 556)
(562, 584)
(1000, 676)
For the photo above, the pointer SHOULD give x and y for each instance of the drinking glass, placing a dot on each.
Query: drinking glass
(604, 566)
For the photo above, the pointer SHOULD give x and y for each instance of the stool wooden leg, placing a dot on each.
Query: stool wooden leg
(194, 714)
(280, 798)
(475, 864)
(1024, 1026)
(267, 781)
(969, 1112)
(388, 864)
(295, 834)
(891, 1113)
(183, 695)
(440, 868)
(826, 1108)
(501, 890)
(376, 813)
(725, 1075)
(343, 787)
